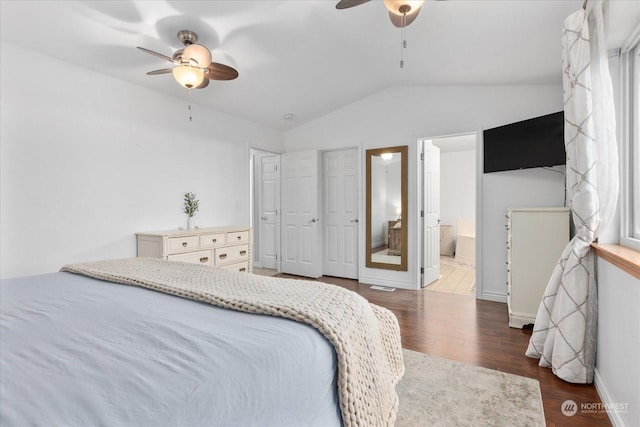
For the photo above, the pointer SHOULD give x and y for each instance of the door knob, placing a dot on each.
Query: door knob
(264, 218)
(313, 220)
(354, 220)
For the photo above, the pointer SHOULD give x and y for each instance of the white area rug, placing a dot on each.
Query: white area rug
(456, 277)
(449, 260)
(441, 392)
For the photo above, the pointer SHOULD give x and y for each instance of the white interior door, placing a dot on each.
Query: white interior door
(340, 213)
(269, 204)
(431, 208)
(300, 230)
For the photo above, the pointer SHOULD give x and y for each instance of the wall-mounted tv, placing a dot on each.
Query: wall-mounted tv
(532, 143)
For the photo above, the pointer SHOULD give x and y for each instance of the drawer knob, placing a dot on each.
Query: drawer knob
(243, 269)
(214, 240)
(243, 253)
(184, 244)
(223, 256)
(239, 237)
(204, 259)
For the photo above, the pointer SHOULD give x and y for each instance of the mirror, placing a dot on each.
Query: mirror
(386, 220)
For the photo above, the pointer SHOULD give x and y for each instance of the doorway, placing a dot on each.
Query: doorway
(305, 212)
(457, 214)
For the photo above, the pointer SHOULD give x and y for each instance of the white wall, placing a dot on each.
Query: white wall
(617, 376)
(501, 190)
(87, 160)
(618, 347)
(379, 196)
(394, 189)
(457, 187)
(402, 115)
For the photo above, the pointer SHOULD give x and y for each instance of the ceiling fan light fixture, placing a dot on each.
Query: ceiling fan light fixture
(198, 53)
(188, 76)
(402, 7)
(192, 65)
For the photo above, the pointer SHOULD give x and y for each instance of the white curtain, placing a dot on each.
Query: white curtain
(564, 335)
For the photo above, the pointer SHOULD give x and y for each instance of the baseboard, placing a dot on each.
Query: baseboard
(605, 396)
(493, 296)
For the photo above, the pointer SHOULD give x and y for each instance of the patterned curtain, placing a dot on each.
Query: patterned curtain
(564, 335)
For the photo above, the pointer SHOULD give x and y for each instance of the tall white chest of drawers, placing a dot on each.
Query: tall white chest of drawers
(225, 247)
(536, 238)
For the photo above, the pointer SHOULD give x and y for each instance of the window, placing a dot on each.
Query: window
(630, 133)
(635, 146)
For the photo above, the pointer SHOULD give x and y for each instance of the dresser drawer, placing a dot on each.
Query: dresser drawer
(213, 240)
(241, 267)
(213, 246)
(182, 244)
(231, 254)
(196, 257)
(237, 237)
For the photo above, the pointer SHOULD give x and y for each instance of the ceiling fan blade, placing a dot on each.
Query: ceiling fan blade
(346, 4)
(219, 71)
(404, 21)
(159, 55)
(163, 71)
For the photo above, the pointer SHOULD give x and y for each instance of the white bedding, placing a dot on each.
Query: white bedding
(365, 337)
(76, 351)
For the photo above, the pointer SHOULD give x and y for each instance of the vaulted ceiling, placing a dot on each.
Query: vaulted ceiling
(305, 57)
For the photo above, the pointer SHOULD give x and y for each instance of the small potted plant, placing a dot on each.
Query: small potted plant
(191, 207)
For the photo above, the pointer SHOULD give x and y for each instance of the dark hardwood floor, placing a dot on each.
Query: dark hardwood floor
(462, 328)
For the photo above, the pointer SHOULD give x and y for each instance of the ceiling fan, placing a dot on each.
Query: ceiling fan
(401, 12)
(192, 65)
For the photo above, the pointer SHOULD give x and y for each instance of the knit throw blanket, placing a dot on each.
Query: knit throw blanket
(366, 337)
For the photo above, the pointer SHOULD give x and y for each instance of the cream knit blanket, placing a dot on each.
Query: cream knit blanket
(366, 337)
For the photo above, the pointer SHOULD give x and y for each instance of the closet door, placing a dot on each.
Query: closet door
(301, 230)
(340, 213)
(269, 205)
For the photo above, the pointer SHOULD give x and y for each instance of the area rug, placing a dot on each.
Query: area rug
(454, 278)
(449, 260)
(441, 392)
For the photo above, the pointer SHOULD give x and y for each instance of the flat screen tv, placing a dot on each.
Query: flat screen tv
(532, 143)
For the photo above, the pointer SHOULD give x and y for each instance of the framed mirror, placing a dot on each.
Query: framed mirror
(386, 216)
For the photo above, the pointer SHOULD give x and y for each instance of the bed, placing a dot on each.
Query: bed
(77, 351)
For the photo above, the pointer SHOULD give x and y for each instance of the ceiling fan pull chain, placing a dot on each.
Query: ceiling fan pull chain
(403, 42)
(401, 48)
(190, 118)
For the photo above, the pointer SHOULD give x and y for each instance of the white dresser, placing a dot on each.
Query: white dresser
(225, 247)
(536, 238)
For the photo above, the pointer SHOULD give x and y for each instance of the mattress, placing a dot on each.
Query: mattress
(76, 351)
